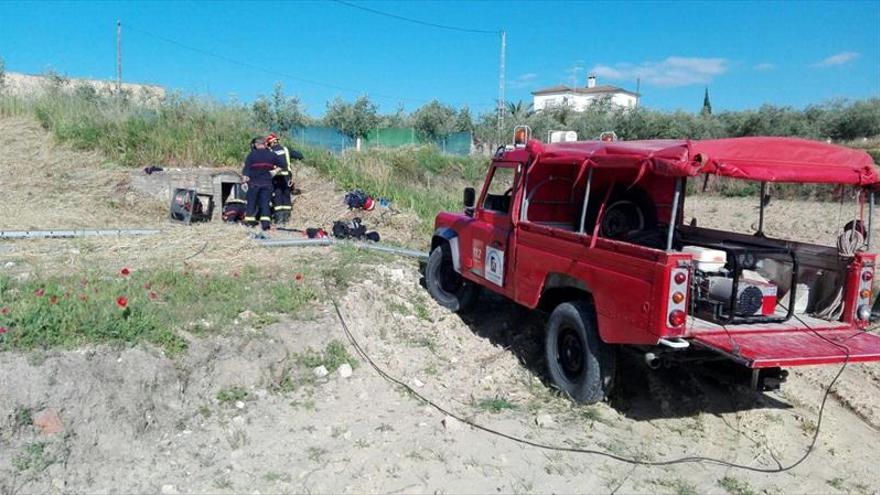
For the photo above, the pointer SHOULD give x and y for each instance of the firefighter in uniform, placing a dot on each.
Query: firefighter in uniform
(236, 204)
(260, 166)
(282, 183)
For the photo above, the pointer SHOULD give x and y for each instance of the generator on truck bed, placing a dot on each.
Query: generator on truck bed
(593, 233)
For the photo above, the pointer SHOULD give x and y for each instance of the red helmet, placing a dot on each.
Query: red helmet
(369, 204)
(271, 137)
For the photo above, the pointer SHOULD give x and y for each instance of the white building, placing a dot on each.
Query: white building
(578, 99)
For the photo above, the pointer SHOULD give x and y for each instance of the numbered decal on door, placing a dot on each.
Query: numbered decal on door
(494, 269)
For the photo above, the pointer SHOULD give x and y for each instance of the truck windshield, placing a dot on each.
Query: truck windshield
(500, 189)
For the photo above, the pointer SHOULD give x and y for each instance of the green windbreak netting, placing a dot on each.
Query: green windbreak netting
(392, 137)
(327, 138)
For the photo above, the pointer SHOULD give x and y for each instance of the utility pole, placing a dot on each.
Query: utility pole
(501, 89)
(118, 57)
(638, 90)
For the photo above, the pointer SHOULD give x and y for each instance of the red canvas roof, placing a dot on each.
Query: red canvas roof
(771, 159)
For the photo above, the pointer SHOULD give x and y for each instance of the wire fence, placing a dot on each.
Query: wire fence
(335, 141)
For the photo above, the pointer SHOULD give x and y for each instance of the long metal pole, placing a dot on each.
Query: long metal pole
(329, 241)
(119, 57)
(673, 218)
(870, 218)
(66, 234)
(760, 231)
(501, 95)
(586, 200)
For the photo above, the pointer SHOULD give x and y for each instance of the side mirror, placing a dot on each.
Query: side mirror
(470, 198)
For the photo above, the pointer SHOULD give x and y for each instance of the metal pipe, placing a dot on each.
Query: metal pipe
(586, 199)
(67, 234)
(760, 231)
(870, 218)
(359, 245)
(673, 218)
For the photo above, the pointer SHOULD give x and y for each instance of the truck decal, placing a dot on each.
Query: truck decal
(495, 266)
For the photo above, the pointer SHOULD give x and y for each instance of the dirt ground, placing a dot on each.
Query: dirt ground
(134, 420)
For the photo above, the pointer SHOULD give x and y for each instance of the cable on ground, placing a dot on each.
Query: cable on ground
(603, 453)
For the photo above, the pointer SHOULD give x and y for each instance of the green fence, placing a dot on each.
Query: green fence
(329, 138)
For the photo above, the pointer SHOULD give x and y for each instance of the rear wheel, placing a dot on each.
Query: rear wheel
(580, 364)
(447, 286)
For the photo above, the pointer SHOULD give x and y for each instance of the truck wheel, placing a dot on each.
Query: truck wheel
(580, 364)
(445, 285)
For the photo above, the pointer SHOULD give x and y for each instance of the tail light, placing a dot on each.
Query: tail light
(863, 304)
(676, 307)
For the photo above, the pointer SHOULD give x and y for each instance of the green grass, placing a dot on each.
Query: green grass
(332, 357)
(22, 417)
(735, 486)
(67, 311)
(496, 404)
(231, 395)
(33, 457)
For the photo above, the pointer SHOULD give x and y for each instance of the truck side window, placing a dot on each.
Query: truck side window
(500, 190)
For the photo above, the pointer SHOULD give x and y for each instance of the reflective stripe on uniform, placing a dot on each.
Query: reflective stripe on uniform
(265, 219)
(250, 219)
(282, 173)
(236, 201)
(283, 207)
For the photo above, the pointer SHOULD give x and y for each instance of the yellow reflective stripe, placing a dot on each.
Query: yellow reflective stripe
(283, 207)
(287, 156)
(282, 173)
(236, 201)
(250, 219)
(265, 219)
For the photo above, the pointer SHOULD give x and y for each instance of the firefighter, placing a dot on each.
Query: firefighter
(282, 183)
(236, 204)
(259, 168)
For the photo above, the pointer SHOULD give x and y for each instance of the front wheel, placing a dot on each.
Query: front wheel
(580, 364)
(445, 285)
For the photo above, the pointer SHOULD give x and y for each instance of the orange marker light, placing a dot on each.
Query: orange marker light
(677, 297)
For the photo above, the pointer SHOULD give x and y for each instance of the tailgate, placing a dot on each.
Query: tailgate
(766, 349)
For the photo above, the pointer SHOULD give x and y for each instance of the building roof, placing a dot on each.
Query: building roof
(595, 90)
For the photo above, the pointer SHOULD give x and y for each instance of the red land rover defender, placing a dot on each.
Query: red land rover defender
(592, 232)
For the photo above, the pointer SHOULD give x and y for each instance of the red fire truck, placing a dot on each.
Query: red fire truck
(593, 233)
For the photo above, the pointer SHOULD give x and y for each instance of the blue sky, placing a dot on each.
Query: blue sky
(747, 53)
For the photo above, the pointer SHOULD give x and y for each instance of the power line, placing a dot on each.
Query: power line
(273, 72)
(416, 21)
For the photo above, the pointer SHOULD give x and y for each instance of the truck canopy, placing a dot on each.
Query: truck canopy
(765, 159)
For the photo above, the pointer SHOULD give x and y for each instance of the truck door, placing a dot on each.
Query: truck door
(490, 247)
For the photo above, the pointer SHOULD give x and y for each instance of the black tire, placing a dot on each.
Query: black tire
(580, 364)
(445, 285)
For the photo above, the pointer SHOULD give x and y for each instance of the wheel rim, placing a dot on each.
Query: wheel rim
(570, 354)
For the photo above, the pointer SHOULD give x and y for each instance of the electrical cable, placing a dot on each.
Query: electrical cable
(601, 453)
(416, 21)
(267, 70)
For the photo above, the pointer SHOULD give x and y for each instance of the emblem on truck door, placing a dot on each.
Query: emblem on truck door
(494, 269)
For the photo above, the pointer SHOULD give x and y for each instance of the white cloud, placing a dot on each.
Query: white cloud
(671, 72)
(838, 59)
(573, 74)
(764, 66)
(523, 80)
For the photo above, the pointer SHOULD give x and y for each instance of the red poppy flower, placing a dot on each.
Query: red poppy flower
(154, 296)
(53, 299)
(3, 330)
(39, 292)
(298, 277)
(125, 272)
(122, 301)
(4, 311)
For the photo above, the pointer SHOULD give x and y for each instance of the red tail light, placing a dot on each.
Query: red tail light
(677, 318)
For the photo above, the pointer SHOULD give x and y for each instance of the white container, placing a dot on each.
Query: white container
(705, 259)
